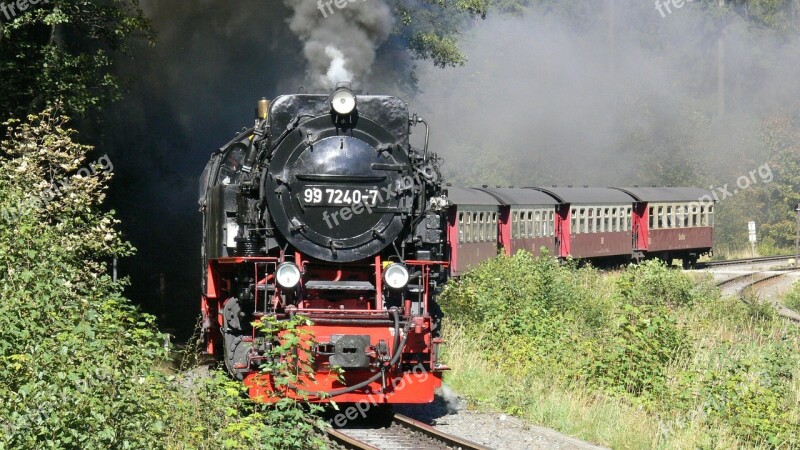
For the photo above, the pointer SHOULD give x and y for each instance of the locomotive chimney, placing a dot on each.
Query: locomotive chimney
(263, 108)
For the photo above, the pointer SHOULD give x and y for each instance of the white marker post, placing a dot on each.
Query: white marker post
(751, 230)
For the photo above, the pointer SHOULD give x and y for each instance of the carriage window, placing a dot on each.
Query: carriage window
(537, 217)
(471, 227)
(680, 221)
(476, 227)
(493, 228)
(481, 227)
(552, 223)
(460, 227)
(711, 216)
(466, 227)
(514, 225)
(614, 220)
(587, 226)
(531, 224)
(585, 217)
(573, 220)
(528, 224)
(607, 220)
(595, 213)
(650, 213)
(487, 226)
(628, 219)
(546, 227)
(583, 226)
(660, 217)
(600, 220)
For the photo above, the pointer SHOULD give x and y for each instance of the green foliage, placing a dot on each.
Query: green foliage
(645, 339)
(697, 365)
(752, 395)
(792, 299)
(80, 367)
(433, 28)
(62, 51)
(781, 135)
(652, 283)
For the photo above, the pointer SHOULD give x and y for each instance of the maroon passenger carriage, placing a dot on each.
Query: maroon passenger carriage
(471, 228)
(602, 225)
(672, 223)
(597, 224)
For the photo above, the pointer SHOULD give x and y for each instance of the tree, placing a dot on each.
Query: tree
(782, 136)
(61, 51)
(432, 28)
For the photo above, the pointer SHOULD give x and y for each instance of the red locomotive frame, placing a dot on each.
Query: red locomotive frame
(361, 315)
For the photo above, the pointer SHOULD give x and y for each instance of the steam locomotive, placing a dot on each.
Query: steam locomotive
(324, 209)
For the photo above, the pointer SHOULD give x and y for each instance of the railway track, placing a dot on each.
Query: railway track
(738, 262)
(744, 287)
(403, 433)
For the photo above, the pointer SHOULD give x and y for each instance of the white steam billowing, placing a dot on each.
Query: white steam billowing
(339, 43)
(336, 70)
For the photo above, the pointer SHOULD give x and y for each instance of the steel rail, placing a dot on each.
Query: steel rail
(735, 262)
(347, 442)
(423, 432)
(448, 439)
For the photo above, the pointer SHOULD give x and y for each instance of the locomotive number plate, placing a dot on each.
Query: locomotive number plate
(339, 196)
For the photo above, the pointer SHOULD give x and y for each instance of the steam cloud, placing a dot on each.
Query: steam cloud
(628, 100)
(541, 101)
(339, 43)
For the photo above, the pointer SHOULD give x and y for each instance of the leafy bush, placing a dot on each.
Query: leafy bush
(653, 283)
(633, 360)
(80, 367)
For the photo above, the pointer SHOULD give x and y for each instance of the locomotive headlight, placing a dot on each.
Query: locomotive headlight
(287, 275)
(396, 276)
(343, 101)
